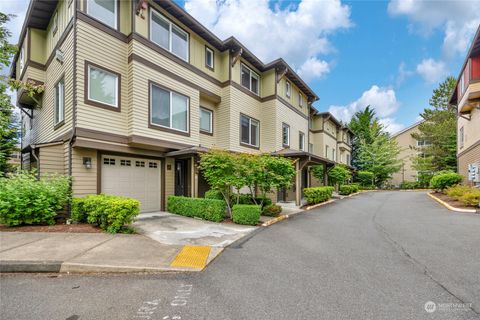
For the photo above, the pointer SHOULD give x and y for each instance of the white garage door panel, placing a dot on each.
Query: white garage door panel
(123, 176)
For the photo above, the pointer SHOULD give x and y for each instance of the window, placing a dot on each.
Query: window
(109, 161)
(103, 10)
(153, 165)
(169, 109)
(168, 35)
(60, 101)
(55, 22)
(462, 137)
(103, 86)
(288, 89)
(209, 55)
(250, 79)
(348, 159)
(22, 60)
(140, 164)
(285, 135)
(300, 100)
(125, 163)
(326, 151)
(333, 154)
(206, 123)
(301, 141)
(310, 147)
(249, 131)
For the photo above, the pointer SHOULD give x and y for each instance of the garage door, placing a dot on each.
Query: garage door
(132, 177)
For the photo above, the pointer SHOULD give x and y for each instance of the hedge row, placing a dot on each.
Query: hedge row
(246, 214)
(347, 189)
(444, 180)
(318, 194)
(207, 209)
(111, 213)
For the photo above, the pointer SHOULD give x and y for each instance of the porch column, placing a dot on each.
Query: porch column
(325, 175)
(194, 180)
(298, 184)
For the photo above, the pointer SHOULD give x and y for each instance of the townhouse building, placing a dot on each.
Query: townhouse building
(135, 90)
(410, 148)
(466, 98)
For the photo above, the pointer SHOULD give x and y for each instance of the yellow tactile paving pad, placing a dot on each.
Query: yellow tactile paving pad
(192, 257)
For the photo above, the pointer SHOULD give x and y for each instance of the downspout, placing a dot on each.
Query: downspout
(37, 160)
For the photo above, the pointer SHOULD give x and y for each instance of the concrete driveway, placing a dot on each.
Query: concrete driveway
(173, 229)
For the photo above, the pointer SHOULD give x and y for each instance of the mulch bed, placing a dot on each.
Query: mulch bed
(69, 228)
(451, 201)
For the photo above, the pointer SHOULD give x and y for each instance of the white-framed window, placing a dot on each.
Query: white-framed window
(288, 88)
(104, 11)
(102, 86)
(250, 79)
(55, 22)
(461, 137)
(168, 35)
(285, 135)
(169, 109)
(206, 120)
(209, 58)
(60, 101)
(348, 159)
(301, 141)
(300, 100)
(22, 60)
(249, 131)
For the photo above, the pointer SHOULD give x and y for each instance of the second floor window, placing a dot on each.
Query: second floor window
(301, 141)
(209, 58)
(300, 100)
(102, 86)
(168, 35)
(103, 10)
(250, 79)
(249, 131)
(169, 109)
(60, 101)
(285, 135)
(206, 123)
(288, 89)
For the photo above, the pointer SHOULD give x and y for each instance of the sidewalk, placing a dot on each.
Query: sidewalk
(91, 252)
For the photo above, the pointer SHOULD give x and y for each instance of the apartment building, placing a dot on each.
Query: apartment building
(409, 149)
(466, 97)
(135, 90)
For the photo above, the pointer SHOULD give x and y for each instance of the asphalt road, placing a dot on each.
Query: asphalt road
(380, 255)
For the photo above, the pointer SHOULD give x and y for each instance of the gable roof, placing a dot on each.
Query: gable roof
(407, 128)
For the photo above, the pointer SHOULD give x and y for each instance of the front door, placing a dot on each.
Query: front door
(181, 178)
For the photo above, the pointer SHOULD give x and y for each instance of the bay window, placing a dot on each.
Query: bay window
(168, 109)
(249, 131)
(168, 35)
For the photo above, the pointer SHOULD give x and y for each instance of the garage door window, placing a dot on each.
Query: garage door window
(126, 163)
(109, 161)
(140, 164)
(152, 165)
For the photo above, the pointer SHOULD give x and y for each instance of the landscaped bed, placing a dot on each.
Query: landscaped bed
(453, 202)
(67, 228)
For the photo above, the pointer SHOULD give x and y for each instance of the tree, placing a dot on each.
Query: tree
(439, 129)
(379, 157)
(273, 173)
(8, 125)
(338, 175)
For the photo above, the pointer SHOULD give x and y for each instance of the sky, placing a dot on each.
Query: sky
(387, 54)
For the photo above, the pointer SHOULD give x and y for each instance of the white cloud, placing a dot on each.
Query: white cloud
(299, 34)
(457, 19)
(432, 71)
(383, 100)
(390, 125)
(403, 74)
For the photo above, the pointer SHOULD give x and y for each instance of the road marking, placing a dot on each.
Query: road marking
(192, 257)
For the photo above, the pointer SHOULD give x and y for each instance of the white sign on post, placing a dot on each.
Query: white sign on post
(473, 174)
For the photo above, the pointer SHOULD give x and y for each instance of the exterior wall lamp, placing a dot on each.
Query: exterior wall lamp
(87, 162)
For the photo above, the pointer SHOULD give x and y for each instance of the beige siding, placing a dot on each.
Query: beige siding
(406, 143)
(44, 117)
(293, 99)
(84, 180)
(296, 122)
(471, 130)
(52, 159)
(471, 156)
(38, 40)
(63, 19)
(110, 53)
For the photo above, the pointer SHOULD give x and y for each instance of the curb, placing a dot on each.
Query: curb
(320, 204)
(275, 220)
(449, 207)
(16, 266)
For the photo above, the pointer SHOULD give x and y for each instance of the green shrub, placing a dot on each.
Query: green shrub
(347, 189)
(317, 194)
(365, 178)
(245, 198)
(26, 200)
(271, 210)
(405, 185)
(111, 213)
(214, 194)
(246, 214)
(458, 191)
(471, 198)
(207, 209)
(444, 180)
